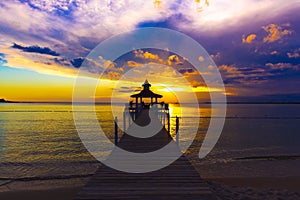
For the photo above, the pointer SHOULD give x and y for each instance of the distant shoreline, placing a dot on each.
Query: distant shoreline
(5, 101)
(105, 103)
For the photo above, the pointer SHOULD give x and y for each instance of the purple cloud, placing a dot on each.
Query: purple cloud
(36, 49)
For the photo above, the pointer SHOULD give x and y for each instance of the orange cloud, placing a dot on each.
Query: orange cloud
(275, 32)
(157, 3)
(249, 38)
(114, 75)
(201, 59)
(231, 71)
(131, 63)
(146, 55)
(228, 69)
(210, 67)
(174, 59)
(109, 64)
(200, 4)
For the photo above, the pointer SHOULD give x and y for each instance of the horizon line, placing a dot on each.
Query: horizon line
(231, 102)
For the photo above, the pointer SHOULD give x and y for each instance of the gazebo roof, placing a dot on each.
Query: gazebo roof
(146, 92)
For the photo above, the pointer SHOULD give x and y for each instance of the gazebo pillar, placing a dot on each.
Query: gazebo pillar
(151, 100)
(136, 101)
(155, 99)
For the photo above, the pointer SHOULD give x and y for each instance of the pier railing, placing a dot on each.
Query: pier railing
(131, 112)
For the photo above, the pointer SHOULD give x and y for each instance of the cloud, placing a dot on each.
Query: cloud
(275, 32)
(41, 64)
(226, 15)
(76, 62)
(157, 3)
(201, 5)
(2, 59)
(229, 69)
(249, 38)
(294, 54)
(166, 59)
(146, 55)
(109, 64)
(131, 63)
(187, 71)
(174, 59)
(282, 66)
(36, 49)
(274, 52)
(62, 61)
(113, 75)
(210, 67)
(201, 59)
(216, 56)
(243, 76)
(54, 6)
(72, 27)
(97, 66)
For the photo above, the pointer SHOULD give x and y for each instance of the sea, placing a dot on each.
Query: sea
(39, 142)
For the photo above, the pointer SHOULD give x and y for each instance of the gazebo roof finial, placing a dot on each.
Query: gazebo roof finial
(146, 82)
(146, 85)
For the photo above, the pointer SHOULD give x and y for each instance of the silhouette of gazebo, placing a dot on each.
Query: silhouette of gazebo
(146, 93)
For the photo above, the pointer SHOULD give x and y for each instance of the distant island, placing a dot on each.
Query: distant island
(5, 101)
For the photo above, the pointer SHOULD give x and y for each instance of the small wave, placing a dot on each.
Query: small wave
(241, 117)
(280, 157)
(42, 178)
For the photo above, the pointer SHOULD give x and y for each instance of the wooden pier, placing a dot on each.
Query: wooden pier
(179, 180)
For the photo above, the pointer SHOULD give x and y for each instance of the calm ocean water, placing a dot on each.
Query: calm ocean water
(40, 140)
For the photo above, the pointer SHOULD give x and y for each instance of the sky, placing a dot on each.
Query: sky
(254, 43)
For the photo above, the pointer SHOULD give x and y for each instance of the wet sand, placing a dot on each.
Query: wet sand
(57, 194)
(256, 188)
(291, 184)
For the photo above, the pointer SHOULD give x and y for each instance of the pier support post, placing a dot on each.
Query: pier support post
(169, 126)
(124, 120)
(177, 130)
(116, 131)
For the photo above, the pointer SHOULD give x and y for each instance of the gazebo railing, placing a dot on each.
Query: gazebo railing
(130, 114)
(132, 111)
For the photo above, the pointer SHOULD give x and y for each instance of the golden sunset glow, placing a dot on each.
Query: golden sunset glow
(40, 64)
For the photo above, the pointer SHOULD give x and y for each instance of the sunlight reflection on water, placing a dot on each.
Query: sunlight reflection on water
(45, 133)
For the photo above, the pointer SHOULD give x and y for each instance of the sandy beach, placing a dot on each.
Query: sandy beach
(58, 194)
(291, 184)
(256, 188)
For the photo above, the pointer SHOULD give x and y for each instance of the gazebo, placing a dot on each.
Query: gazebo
(146, 93)
(133, 109)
